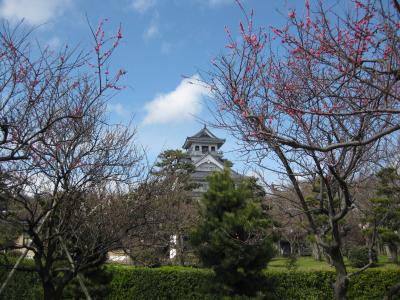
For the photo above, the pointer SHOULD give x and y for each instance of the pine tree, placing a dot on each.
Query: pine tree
(233, 237)
(171, 187)
(385, 210)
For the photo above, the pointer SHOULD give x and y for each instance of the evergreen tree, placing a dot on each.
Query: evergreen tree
(9, 231)
(233, 237)
(170, 187)
(385, 212)
(175, 163)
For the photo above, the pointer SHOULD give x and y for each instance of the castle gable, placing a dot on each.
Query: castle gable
(209, 163)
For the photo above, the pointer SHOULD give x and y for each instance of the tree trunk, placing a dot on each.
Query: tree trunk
(387, 251)
(49, 292)
(328, 259)
(393, 257)
(292, 248)
(180, 249)
(341, 281)
(280, 250)
(316, 251)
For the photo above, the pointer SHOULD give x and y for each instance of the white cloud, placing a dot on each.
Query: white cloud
(141, 6)
(54, 43)
(151, 31)
(117, 108)
(179, 105)
(34, 12)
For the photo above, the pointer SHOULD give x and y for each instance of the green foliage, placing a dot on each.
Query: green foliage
(385, 211)
(172, 211)
(96, 280)
(160, 283)
(190, 283)
(177, 164)
(373, 284)
(8, 234)
(23, 285)
(359, 256)
(296, 285)
(318, 202)
(291, 263)
(172, 160)
(150, 255)
(233, 237)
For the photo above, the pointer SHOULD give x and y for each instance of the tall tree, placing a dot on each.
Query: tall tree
(174, 162)
(63, 163)
(384, 213)
(319, 103)
(174, 168)
(169, 189)
(233, 237)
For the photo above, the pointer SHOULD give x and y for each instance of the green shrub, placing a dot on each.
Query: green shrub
(233, 235)
(359, 256)
(97, 281)
(23, 285)
(160, 283)
(191, 283)
(308, 285)
(301, 285)
(372, 284)
(291, 263)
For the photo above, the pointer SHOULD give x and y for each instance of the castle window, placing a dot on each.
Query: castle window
(212, 148)
(196, 148)
(204, 149)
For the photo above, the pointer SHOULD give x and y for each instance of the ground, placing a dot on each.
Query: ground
(309, 264)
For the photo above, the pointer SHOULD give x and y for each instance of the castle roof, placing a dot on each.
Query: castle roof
(202, 175)
(204, 136)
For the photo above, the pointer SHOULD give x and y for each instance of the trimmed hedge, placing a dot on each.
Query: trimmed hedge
(191, 283)
(372, 284)
(301, 285)
(159, 283)
(368, 285)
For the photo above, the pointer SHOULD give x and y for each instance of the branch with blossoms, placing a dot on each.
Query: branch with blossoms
(104, 48)
(40, 90)
(55, 144)
(319, 96)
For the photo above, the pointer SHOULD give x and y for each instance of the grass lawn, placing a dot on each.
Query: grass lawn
(307, 263)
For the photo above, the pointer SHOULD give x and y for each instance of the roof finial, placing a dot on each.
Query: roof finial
(205, 126)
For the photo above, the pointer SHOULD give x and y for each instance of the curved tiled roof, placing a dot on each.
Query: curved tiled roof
(204, 136)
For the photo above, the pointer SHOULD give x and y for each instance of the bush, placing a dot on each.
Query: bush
(233, 235)
(160, 283)
(97, 281)
(301, 285)
(23, 285)
(291, 263)
(191, 283)
(359, 257)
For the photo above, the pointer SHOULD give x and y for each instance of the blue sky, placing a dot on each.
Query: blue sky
(164, 42)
